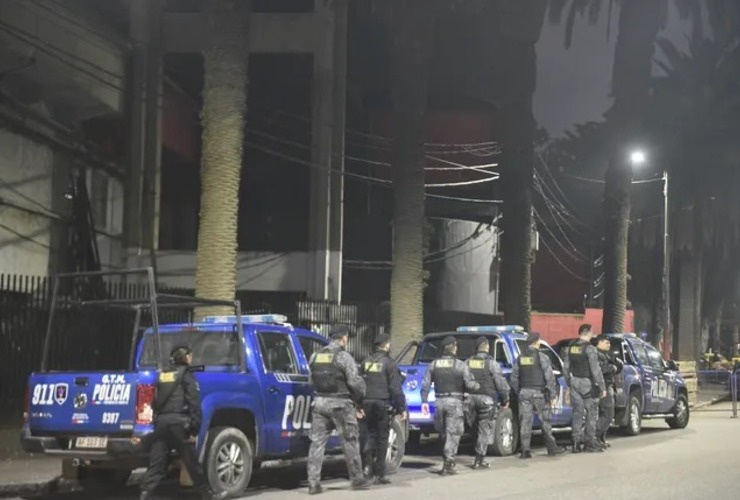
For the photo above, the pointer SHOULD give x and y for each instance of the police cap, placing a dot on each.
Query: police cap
(382, 339)
(339, 331)
(449, 341)
(533, 337)
(481, 342)
(602, 337)
(179, 353)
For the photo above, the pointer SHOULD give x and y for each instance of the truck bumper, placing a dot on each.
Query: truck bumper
(117, 448)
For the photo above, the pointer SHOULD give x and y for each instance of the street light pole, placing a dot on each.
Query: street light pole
(666, 295)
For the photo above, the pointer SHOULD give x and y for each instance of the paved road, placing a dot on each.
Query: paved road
(699, 462)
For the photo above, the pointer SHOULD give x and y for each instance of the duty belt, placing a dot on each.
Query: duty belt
(448, 395)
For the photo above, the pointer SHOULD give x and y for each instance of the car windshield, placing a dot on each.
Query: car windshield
(431, 349)
(210, 348)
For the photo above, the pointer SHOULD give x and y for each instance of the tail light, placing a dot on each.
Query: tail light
(144, 400)
(27, 405)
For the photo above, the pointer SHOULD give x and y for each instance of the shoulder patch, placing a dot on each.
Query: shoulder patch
(324, 357)
(477, 364)
(444, 363)
(372, 367)
(526, 360)
(575, 349)
(167, 377)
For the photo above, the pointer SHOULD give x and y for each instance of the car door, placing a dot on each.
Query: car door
(649, 378)
(562, 413)
(286, 393)
(662, 391)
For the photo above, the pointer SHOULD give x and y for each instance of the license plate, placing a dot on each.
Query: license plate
(91, 442)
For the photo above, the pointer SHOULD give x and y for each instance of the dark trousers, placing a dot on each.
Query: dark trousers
(166, 437)
(377, 422)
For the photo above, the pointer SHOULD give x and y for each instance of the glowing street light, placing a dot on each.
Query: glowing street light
(637, 158)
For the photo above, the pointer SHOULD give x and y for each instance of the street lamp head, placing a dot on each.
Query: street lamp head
(637, 158)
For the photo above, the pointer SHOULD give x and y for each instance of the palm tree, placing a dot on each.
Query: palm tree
(223, 118)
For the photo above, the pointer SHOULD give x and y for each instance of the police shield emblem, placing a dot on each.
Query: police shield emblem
(60, 393)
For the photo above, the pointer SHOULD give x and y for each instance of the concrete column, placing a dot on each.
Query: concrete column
(689, 314)
(327, 182)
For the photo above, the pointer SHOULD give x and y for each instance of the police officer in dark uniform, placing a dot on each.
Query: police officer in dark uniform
(383, 393)
(583, 374)
(452, 378)
(534, 382)
(482, 403)
(611, 366)
(339, 392)
(177, 417)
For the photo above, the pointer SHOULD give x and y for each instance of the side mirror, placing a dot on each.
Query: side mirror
(672, 366)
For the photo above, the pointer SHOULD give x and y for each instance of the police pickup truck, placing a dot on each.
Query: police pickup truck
(648, 387)
(256, 402)
(507, 342)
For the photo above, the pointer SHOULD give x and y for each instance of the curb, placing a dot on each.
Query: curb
(56, 485)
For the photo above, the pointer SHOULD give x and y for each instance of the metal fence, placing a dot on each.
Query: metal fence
(716, 390)
(24, 313)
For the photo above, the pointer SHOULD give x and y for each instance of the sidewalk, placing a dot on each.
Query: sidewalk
(28, 475)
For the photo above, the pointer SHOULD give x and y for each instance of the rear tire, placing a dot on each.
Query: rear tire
(505, 434)
(229, 460)
(396, 448)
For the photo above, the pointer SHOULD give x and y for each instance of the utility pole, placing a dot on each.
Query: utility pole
(666, 295)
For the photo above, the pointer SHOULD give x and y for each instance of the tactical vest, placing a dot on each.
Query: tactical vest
(170, 396)
(376, 379)
(483, 376)
(328, 379)
(447, 381)
(605, 362)
(579, 366)
(531, 375)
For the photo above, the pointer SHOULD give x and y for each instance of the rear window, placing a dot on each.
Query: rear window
(210, 348)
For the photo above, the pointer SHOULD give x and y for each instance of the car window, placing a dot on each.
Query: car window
(431, 349)
(642, 356)
(210, 348)
(656, 361)
(277, 352)
(310, 345)
(547, 350)
(501, 353)
(617, 349)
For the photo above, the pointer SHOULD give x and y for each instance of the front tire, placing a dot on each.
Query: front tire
(634, 415)
(229, 460)
(396, 448)
(505, 434)
(680, 413)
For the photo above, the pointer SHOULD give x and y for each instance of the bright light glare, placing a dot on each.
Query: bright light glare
(637, 157)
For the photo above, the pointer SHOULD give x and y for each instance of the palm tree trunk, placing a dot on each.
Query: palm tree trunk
(223, 119)
(413, 28)
(519, 28)
(639, 22)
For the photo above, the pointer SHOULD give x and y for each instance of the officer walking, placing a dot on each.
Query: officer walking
(583, 374)
(611, 366)
(384, 392)
(451, 378)
(339, 391)
(177, 417)
(482, 403)
(533, 380)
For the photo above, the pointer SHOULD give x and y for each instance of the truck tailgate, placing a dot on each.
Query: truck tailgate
(82, 403)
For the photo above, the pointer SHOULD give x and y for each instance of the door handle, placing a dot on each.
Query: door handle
(273, 390)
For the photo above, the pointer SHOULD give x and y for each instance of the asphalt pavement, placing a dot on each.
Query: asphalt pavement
(699, 462)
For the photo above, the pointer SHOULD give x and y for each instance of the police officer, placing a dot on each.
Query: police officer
(451, 379)
(583, 374)
(177, 417)
(611, 366)
(534, 382)
(482, 403)
(339, 391)
(384, 391)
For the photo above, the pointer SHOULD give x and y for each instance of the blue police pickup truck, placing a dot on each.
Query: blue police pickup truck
(507, 342)
(256, 402)
(648, 387)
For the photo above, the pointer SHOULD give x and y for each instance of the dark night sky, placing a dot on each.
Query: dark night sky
(574, 84)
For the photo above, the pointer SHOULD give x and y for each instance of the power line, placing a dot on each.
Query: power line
(562, 264)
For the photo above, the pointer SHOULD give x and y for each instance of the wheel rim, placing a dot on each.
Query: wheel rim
(392, 452)
(507, 434)
(230, 464)
(681, 411)
(635, 417)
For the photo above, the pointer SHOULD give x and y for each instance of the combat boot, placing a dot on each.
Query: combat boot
(577, 448)
(604, 442)
(554, 450)
(593, 448)
(208, 494)
(449, 468)
(382, 480)
(315, 489)
(525, 454)
(362, 483)
(480, 463)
